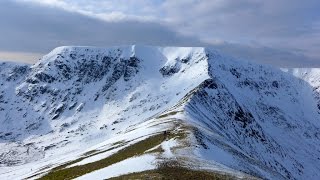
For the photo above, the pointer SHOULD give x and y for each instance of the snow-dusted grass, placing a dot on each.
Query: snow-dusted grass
(170, 171)
(146, 162)
(133, 150)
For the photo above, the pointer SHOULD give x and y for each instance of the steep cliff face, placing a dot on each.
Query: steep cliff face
(73, 79)
(238, 117)
(253, 116)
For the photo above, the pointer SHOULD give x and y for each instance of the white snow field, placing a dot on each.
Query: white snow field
(79, 105)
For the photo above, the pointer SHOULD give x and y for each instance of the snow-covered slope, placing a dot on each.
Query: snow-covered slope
(84, 104)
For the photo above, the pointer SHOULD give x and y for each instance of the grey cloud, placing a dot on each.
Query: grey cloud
(267, 55)
(246, 17)
(281, 24)
(34, 28)
(31, 29)
(23, 57)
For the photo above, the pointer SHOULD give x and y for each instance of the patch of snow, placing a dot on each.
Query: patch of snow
(134, 164)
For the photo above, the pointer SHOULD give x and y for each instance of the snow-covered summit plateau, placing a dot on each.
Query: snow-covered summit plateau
(96, 113)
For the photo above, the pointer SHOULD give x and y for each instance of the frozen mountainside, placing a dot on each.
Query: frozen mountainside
(255, 113)
(82, 106)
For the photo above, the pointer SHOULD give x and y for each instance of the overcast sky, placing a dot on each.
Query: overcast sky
(277, 32)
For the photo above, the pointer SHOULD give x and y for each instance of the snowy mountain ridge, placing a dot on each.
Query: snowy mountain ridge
(235, 117)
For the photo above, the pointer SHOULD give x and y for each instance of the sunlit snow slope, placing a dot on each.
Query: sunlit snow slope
(81, 105)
